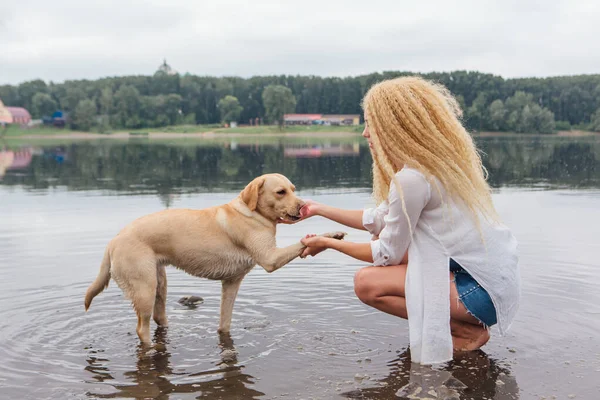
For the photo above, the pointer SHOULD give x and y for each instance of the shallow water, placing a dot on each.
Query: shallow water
(300, 332)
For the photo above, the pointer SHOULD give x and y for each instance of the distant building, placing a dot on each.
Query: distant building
(165, 68)
(301, 119)
(343, 119)
(320, 119)
(5, 115)
(19, 115)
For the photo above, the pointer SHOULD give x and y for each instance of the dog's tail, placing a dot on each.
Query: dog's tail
(101, 281)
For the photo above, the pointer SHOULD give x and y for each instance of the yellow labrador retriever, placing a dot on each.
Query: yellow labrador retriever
(221, 243)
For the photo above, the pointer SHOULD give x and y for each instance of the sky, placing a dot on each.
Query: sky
(74, 39)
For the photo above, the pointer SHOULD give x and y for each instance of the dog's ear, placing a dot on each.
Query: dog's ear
(250, 193)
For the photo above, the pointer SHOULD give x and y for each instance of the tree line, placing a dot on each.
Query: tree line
(489, 102)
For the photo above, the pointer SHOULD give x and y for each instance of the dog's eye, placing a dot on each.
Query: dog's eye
(281, 192)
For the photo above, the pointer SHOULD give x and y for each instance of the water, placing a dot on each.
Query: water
(297, 333)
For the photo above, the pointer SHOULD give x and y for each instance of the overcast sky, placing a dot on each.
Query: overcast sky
(76, 39)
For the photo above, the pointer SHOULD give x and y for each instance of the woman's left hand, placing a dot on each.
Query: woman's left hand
(314, 245)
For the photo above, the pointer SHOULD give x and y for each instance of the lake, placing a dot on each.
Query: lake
(299, 333)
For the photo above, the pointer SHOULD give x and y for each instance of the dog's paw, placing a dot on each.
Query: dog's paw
(335, 235)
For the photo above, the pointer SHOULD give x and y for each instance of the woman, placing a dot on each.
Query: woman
(441, 257)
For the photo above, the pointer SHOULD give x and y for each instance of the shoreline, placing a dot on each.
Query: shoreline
(174, 135)
(212, 134)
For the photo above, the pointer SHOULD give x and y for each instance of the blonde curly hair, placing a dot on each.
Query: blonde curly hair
(416, 122)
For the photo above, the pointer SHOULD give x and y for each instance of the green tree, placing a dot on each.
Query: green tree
(595, 124)
(172, 108)
(73, 96)
(106, 101)
(43, 105)
(160, 110)
(543, 119)
(9, 95)
(526, 116)
(477, 113)
(229, 109)
(27, 90)
(128, 104)
(84, 116)
(497, 115)
(278, 100)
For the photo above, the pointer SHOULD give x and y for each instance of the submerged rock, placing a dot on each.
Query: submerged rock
(229, 356)
(190, 301)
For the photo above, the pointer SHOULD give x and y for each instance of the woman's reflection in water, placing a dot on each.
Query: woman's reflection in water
(471, 375)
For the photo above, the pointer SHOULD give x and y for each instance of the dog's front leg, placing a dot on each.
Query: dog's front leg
(278, 257)
(271, 259)
(229, 290)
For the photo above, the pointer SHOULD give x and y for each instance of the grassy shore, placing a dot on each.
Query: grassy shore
(184, 129)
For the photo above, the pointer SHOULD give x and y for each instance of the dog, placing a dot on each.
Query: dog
(219, 243)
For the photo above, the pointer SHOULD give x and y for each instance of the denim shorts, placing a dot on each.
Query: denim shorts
(475, 298)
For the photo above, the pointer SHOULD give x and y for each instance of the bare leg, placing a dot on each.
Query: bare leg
(160, 302)
(383, 288)
(228, 294)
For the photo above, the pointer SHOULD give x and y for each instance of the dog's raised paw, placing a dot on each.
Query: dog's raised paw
(335, 235)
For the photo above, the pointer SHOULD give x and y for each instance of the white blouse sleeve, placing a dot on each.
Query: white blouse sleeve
(372, 218)
(395, 235)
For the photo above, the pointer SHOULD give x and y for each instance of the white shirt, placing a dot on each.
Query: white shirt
(441, 229)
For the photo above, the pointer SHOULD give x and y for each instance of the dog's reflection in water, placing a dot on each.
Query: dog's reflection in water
(471, 375)
(153, 375)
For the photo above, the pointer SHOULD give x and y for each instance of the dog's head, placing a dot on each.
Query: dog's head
(274, 197)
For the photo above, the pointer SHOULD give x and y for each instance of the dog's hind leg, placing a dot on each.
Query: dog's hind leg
(228, 294)
(160, 301)
(143, 303)
(134, 270)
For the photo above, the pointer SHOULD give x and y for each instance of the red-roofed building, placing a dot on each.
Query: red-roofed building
(320, 119)
(301, 119)
(344, 119)
(20, 115)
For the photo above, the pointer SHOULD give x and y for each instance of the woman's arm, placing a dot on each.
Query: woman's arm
(370, 219)
(350, 218)
(391, 246)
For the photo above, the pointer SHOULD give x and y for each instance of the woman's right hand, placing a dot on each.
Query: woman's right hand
(310, 209)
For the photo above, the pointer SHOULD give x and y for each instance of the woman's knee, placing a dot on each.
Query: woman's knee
(363, 286)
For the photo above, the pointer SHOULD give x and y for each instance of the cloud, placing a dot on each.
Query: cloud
(69, 39)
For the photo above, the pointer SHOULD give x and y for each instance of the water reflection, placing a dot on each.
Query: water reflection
(165, 169)
(469, 376)
(153, 375)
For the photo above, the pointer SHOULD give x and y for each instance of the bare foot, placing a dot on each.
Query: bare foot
(468, 337)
